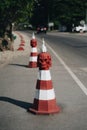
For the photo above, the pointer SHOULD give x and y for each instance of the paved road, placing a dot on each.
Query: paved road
(17, 88)
(72, 50)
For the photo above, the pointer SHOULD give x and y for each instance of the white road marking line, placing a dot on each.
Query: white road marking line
(76, 79)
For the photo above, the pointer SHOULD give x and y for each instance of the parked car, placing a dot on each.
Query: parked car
(80, 28)
(41, 29)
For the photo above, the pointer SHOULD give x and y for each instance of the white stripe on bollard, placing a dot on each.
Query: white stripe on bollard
(33, 49)
(45, 94)
(33, 58)
(44, 75)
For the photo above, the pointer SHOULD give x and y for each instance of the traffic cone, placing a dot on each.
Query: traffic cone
(21, 48)
(22, 43)
(45, 100)
(33, 54)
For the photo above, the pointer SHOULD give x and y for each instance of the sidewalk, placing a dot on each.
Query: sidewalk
(6, 56)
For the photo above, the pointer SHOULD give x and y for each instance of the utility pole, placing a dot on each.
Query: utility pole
(86, 17)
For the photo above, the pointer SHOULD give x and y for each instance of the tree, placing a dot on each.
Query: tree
(66, 12)
(13, 11)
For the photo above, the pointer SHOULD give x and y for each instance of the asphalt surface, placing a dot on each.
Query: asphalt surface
(17, 91)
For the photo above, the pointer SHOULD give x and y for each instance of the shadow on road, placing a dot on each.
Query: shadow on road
(19, 103)
(20, 65)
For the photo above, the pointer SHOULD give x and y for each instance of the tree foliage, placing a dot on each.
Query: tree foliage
(14, 11)
(66, 12)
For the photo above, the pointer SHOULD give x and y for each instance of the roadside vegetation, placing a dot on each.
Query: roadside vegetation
(66, 13)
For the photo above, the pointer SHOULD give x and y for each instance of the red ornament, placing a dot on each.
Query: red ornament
(44, 61)
(33, 43)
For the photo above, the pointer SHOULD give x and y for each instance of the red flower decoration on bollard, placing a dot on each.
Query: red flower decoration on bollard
(33, 43)
(44, 61)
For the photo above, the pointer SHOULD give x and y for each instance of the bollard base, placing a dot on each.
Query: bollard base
(37, 112)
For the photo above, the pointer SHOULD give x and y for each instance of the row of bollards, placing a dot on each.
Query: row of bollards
(44, 100)
(22, 44)
(34, 53)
